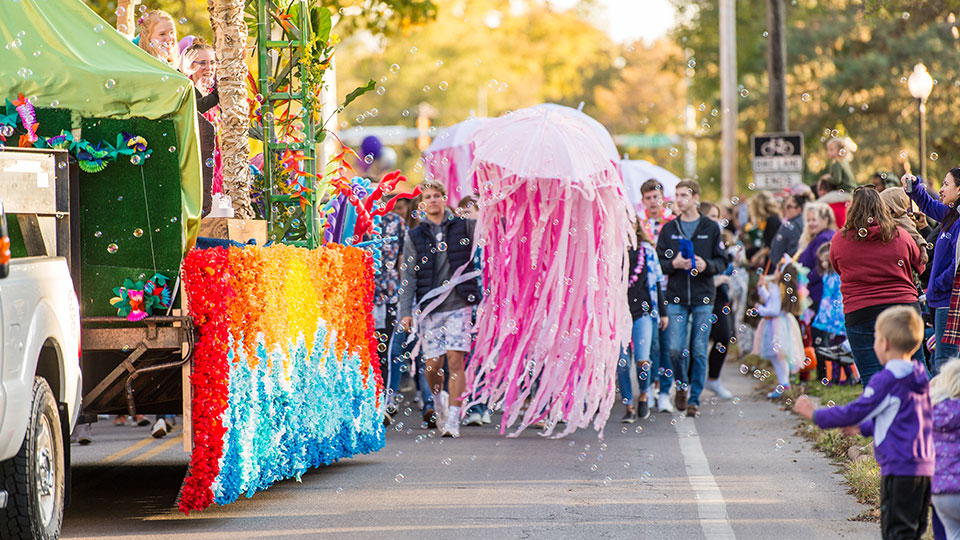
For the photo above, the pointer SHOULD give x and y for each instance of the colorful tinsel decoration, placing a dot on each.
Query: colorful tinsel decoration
(137, 300)
(284, 375)
(91, 158)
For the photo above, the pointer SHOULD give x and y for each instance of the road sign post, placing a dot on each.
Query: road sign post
(777, 160)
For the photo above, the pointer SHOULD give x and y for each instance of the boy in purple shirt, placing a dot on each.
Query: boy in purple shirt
(895, 410)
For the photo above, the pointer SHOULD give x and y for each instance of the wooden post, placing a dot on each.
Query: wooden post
(728, 97)
(127, 18)
(230, 31)
(776, 65)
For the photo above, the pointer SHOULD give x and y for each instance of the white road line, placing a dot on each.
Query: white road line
(710, 504)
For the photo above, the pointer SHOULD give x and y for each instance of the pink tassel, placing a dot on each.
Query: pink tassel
(555, 311)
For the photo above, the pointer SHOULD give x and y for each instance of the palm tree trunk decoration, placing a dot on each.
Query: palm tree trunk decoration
(230, 40)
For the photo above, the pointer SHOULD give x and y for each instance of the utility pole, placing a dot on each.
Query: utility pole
(728, 97)
(776, 65)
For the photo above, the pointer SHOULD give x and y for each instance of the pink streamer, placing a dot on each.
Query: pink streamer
(554, 314)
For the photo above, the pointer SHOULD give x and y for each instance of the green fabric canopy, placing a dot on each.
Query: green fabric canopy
(67, 56)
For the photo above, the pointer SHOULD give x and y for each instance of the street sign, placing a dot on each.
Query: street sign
(777, 160)
(646, 140)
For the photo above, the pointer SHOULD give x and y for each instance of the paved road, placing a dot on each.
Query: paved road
(738, 471)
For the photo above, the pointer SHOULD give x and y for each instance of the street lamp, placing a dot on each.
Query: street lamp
(920, 84)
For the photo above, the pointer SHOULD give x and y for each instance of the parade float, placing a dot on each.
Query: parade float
(267, 348)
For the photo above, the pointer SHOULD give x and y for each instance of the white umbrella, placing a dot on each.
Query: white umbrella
(610, 148)
(637, 171)
(449, 157)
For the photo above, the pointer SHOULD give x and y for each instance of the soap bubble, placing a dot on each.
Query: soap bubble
(210, 163)
(183, 20)
(112, 248)
(101, 43)
(110, 83)
(98, 28)
(443, 85)
(804, 97)
(744, 92)
(398, 478)
(138, 232)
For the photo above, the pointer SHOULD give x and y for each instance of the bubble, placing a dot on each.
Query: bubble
(120, 11)
(638, 430)
(136, 159)
(692, 63)
(804, 97)
(582, 456)
(98, 28)
(110, 83)
(934, 156)
(443, 86)
(426, 88)
(905, 16)
(55, 103)
(398, 478)
(831, 403)
(182, 20)
(442, 246)
(25, 72)
(862, 232)
(174, 219)
(735, 400)
(593, 468)
(779, 443)
(138, 232)
(210, 163)
(172, 149)
(674, 152)
(112, 248)
(413, 50)
(744, 92)
(98, 234)
(668, 253)
(166, 78)
(37, 53)
(607, 480)
(101, 43)
(381, 90)
(405, 113)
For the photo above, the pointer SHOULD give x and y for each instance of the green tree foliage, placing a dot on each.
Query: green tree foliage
(846, 74)
(500, 55)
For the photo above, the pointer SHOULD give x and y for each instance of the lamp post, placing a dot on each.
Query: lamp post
(920, 84)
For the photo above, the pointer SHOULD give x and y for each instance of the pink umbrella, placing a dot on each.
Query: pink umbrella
(554, 229)
(449, 157)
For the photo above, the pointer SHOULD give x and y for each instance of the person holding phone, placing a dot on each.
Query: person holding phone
(690, 250)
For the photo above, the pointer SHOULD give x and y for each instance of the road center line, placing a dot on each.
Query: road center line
(120, 454)
(157, 449)
(710, 504)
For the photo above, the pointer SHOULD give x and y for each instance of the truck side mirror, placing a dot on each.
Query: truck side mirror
(4, 245)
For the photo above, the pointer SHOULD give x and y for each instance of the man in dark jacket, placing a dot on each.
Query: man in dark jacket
(690, 290)
(788, 236)
(433, 252)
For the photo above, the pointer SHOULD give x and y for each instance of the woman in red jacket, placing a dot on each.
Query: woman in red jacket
(875, 260)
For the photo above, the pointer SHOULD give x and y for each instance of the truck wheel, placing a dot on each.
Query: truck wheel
(34, 478)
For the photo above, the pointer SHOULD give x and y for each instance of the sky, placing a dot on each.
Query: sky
(627, 20)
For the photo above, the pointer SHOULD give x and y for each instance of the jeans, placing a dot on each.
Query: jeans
(641, 335)
(943, 351)
(688, 354)
(861, 344)
(400, 354)
(660, 359)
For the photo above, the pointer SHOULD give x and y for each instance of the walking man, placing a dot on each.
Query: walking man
(439, 288)
(691, 253)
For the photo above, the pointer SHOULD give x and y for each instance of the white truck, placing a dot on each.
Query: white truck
(40, 390)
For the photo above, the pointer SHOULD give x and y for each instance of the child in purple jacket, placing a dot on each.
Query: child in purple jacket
(945, 396)
(895, 410)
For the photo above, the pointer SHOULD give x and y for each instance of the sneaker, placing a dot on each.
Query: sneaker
(474, 418)
(486, 417)
(141, 420)
(777, 392)
(451, 428)
(643, 409)
(692, 410)
(663, 403)
(120, 420)
(171, 421)
(441, 404)
(159, 429)
(430, 418)
(680, 400)
(630, 416)
(715, 386)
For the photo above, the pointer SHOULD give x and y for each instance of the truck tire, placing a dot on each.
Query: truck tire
(34, 478)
